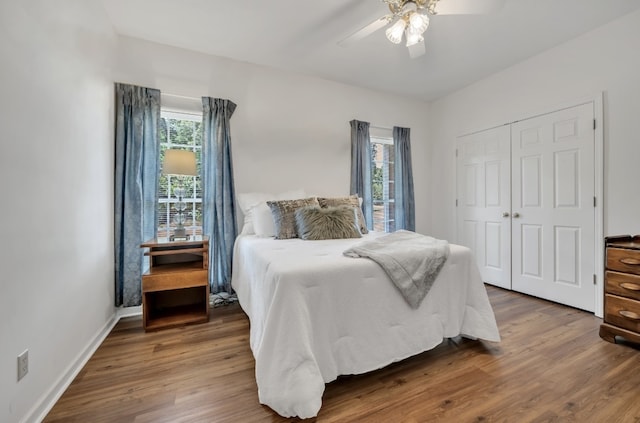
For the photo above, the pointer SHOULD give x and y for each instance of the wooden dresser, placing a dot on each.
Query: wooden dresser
(622, 289)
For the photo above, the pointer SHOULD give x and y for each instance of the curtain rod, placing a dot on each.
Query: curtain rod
(181, 96)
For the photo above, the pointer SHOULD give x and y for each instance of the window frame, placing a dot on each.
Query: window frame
(165, 225)
(387, 223)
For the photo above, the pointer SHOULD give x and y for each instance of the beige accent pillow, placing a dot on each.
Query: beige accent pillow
(315, 222)
(352, 201)
(284, 217)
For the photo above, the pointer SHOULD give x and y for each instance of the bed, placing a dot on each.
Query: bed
(316, 314)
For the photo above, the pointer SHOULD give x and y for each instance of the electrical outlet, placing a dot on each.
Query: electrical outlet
(23, 364)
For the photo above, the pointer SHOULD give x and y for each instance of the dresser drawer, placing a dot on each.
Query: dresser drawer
(623, 260)
(622, 284)
(622, 312)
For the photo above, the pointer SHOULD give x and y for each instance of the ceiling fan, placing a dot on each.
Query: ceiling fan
(410, 18)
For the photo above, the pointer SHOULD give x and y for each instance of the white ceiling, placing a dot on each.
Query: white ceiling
(302, 35)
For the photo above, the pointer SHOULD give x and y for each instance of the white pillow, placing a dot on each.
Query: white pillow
(248, 201)
(263, 223)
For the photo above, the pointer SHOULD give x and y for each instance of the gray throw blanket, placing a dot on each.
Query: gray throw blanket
(411, 260)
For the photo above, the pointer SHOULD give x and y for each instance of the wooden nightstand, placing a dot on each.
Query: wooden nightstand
(175, 290)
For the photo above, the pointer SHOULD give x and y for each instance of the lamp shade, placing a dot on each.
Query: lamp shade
(413, 37)
(394, 32)
(179, 162)
(418, 23)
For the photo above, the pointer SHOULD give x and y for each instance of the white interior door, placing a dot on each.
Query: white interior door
(553, 214)
(484, 199)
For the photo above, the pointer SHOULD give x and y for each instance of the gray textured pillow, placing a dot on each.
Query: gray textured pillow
(352, 201)
(284, 217)
(316, 223)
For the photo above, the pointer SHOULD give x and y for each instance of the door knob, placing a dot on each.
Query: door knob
(516, 215)
(505, 214)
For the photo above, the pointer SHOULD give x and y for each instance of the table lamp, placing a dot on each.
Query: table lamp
(179, 163)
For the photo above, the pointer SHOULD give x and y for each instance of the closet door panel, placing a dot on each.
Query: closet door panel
(553, 214)
(484, 202)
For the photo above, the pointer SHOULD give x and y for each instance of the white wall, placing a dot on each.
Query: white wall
(288, 131)
(604, 60)
(56, 218)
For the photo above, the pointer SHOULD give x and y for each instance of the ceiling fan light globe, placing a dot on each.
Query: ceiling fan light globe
(394, 32)
(418, 22)
(414, 38)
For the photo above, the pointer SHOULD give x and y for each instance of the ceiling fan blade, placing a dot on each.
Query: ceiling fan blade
(417, 49)
(365, 31)
(468, 7)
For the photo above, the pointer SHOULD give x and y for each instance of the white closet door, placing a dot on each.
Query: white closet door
(553, 206)
(483, 196)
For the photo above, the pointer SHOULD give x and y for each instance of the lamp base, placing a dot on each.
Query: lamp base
(179, 234)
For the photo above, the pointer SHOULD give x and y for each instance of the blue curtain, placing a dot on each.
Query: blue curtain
(405, 209)
(137, 113)
(219, 220)
(361, 168)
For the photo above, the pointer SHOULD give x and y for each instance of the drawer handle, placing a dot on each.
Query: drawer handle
(630, 261)
(630, 286)
(629, 314)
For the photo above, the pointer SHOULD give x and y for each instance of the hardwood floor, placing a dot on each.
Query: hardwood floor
(551, 366)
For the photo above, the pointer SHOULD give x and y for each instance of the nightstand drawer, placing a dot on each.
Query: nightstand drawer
(174, 280)
(622, 312)
(622, 284)
(623, 260)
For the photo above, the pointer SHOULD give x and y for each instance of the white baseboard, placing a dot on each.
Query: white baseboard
(39, 411)
(129, 311)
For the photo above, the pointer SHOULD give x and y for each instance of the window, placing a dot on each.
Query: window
(382, 180)
(180, 131)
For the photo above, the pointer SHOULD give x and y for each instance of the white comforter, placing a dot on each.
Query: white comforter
(316, 314)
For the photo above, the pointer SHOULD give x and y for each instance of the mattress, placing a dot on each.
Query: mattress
(316, 314)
